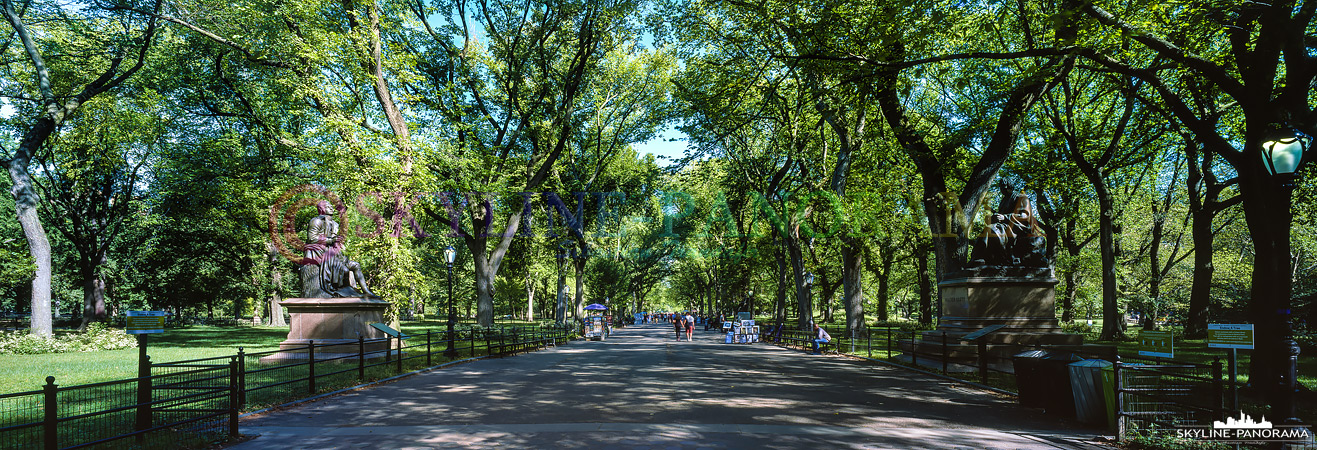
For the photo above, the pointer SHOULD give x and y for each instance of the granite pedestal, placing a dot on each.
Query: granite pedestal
(337, 322)
(1024, 307)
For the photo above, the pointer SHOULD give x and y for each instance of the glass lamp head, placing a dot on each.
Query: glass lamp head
(1283, 151)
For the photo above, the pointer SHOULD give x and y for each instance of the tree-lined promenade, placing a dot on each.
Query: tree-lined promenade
(839, 157)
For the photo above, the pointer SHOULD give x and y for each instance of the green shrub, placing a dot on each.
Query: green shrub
(1077, 327)
(97, 337)
(903, 325)
(24, 343)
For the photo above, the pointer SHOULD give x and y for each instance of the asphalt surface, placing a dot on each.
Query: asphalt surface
(642, 389)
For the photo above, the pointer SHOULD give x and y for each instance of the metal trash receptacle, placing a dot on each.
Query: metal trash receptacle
(1025, 365)
(1086, 388)
(1109, 394)
(1054, 373)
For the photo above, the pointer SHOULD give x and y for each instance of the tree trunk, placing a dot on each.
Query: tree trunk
(560, 310)
(925, 287)
(1113, 321)
(804, 298)
(1204, 204)
(1069, 296)
(888, 258)
(530, 297)
(93, 292)
(38, 243)
(852, 260)
(1267, 211)
(783, 280)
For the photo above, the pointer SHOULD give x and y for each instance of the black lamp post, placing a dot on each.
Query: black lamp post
(1282, 154)
(449, 255)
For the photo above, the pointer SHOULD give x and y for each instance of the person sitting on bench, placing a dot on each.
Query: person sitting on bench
(820, 337)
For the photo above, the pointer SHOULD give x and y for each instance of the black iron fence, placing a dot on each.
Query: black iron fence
(195, 402)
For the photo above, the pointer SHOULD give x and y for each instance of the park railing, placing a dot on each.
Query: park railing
(1158, 396)
(195, 402)
(1150, 394)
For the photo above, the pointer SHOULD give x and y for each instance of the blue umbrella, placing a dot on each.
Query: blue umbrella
(595, 307)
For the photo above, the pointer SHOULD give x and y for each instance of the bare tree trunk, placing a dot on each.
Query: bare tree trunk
(888, 258)
(38, 243)
(804, 294)
(93, 293)
(925, 286)
(783, 280)
(560, 308)
(852, 289)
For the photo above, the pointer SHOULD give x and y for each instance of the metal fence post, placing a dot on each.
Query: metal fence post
(50, 426)
(914, 352)
(242, 378)
(311, 366)
(361, 358)
(143, 419)
(1120, 399)
(868, 335)
(473, 342)
(983, 360)
(944, 352)
(1218, 389)
(235, 393)
(889, 341)
(399, 351)
(427, 348)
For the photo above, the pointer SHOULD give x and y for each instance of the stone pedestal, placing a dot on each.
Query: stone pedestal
(1024, 306)
(334, 321)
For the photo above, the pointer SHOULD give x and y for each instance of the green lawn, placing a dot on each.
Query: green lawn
(29, 372)
(19, 373)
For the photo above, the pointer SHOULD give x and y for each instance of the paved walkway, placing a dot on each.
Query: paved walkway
(641, 389)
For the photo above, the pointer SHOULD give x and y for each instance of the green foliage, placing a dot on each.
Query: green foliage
(1155, 440)
(97, 337)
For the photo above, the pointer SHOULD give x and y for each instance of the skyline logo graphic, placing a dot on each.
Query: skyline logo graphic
(1246, 430)
(1244, 422)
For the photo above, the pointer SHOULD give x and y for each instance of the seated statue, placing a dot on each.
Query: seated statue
(326, 272)
(1013, 238)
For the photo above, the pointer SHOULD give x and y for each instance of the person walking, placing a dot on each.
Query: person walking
(690, 326)
(677, 325)
(820, 337)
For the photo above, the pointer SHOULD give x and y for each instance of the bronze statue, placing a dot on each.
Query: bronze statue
(1014, 237)
(328, 273)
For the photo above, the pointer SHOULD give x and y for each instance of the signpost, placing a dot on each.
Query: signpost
(1233, 336)
(1156, 343)
(143, 324)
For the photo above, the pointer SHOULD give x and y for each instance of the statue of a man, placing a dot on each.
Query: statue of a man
(1014, 236)
(329, 273)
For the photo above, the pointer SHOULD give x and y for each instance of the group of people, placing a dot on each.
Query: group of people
(684, 323)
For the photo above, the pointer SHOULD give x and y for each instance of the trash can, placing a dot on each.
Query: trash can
(1044, 380)
(1109, 394)
(1026, 377)
(1054, 371)
(1086, 387)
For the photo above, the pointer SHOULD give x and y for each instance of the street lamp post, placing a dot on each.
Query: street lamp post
(1282, 154)
(449, 255)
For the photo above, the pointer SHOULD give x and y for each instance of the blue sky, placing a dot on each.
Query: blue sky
(664, 145)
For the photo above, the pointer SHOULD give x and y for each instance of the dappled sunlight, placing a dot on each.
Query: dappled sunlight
(593, 394)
